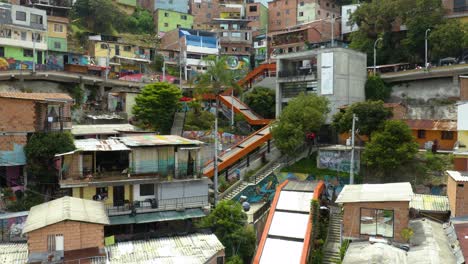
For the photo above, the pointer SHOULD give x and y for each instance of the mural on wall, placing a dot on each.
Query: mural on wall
(12, 226)
(337, 160)
(238, 63)
(12, 64)
(55, 62)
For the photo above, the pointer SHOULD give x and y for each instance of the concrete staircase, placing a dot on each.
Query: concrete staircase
(331, 252)
(239, 188)
(178, 124)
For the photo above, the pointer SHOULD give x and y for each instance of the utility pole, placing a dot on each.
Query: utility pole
(425, 48)
(232, 108)
(351, 167)
(34, 52)
(107, 61)
(180, 66)
(375, 53)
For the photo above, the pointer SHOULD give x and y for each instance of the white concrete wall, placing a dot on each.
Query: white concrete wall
(462, 116)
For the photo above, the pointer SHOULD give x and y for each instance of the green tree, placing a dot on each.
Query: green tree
(377, 89)
(234, 260)
(304, 114)
(156, 105)
(448, 39)
(262, 101)
(40, 151)
(371, 116)
(99, 16)
(228, 222)
(390, 148)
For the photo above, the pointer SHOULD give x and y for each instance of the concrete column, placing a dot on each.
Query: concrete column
(176, 164)
(198, 164)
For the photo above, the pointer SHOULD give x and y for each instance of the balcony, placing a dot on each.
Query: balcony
(53, 3)
(157, 205)
(459, 9)
(115, 175)
(58, 123)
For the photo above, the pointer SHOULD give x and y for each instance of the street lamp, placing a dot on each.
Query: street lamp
(375, 52)
(425, 47)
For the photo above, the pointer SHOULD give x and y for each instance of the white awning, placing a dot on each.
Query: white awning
(133, 59)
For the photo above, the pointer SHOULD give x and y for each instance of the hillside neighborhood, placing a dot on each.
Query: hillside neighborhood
(233, 131)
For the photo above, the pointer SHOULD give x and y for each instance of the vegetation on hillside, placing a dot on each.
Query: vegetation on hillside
(262, 101)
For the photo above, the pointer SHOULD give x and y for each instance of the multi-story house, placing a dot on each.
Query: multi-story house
(260, 47)
(281, 14)
(22, 36)
(234, 34)
(203, 12)
(167, 20)
(57, 44)
(456, 9)
(257, 13)
(125, 57)
(194, 45)
(310, 10)
(301, 37)
(22, 115)
(139, 178)
(181, 6)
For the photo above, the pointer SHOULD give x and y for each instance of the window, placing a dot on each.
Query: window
(301, 3)
(58, 28)
(5, 33)
(36, 19)
(27, 53)
(183, 17)
(328, 4)
(36, 37)
(375, 222)
(2, 51)
(101, 194)
(225, 34)
(333, 5)
(20, 15)
(278, 22)
(236, 34)
(208, 15)
(318, 12)
(461, 185)
(421, 133)
(448, 135)
(247, 49)
(209, 5)
(166, 14)
(127, 48)
(146, 189)
(104, 46)
(166, 24)
(179, 26)
(220, 260)
(24, 35)
(278, 14)
(198, 5)
(57, 45)
(301, 14)
(252, 8)
(224, 26)
(328, 14)
(235, 26)
(287, 11)
(54, 243)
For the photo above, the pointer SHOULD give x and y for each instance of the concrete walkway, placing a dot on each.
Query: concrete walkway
(331, 252)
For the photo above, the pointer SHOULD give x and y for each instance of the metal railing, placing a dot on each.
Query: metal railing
(298, 72)
(152, 205)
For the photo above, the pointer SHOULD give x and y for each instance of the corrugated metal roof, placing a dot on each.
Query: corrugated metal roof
(458, 175)
(65, 208)
(13, 253)
(37, 96)
(290, 225)
(190, 249)
(157, 217)
(294, 201)
(425, 124)
(462, 235)
(364, 252)
(92, 144)
(157, 140)
(387, 192)
(106, 129)
(427, 202)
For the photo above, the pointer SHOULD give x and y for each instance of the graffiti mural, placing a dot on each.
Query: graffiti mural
(12, 64)
(12, 225)
(337, 160)
(55, 62)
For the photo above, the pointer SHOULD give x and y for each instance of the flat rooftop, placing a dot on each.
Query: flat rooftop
(388, 192)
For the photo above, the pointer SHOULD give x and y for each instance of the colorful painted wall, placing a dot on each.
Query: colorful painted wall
(167, 20)
(89, 192)
(11, 226)
(57, 44)
(15, 59)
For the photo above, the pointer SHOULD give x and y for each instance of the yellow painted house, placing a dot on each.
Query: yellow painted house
(123, 57)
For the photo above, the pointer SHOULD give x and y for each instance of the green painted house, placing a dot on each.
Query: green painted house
(167, 20)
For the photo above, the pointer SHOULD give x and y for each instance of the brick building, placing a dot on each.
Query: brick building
(66, 229)
(457, 193)
(461, 150)
(22, 115)
(375, 210)
(257, 13)
(203, 11)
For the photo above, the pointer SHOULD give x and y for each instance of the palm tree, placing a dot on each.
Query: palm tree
(216, 79)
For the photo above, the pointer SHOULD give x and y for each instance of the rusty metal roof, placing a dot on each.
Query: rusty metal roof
(426, 124)
(157, 140)
(93, 144)
(433, 203)
(37, 96)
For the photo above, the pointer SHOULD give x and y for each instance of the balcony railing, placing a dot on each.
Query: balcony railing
(155, 205)
(460, 9)
(57, 123)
